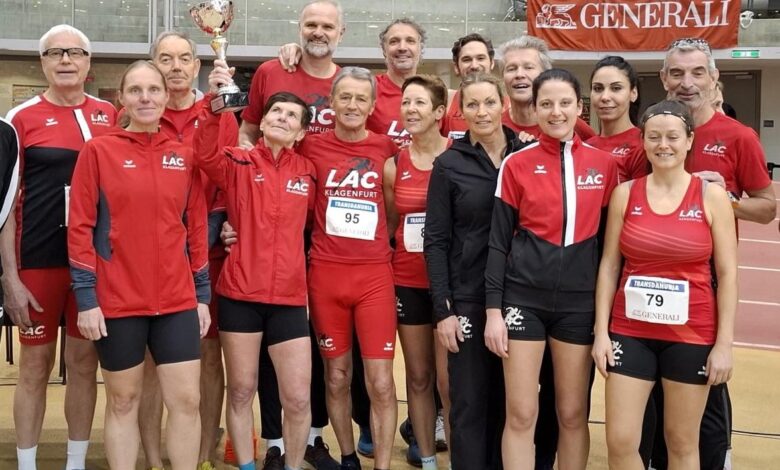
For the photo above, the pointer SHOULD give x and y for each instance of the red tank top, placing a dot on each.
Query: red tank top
(411, 193)
(675, 247)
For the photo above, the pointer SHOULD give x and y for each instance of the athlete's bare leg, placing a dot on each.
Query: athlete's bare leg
(212, 393)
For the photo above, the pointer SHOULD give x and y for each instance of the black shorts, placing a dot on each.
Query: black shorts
(413, 306)
(536, 325)
(278, 323)
(171, 338)
(650, 359)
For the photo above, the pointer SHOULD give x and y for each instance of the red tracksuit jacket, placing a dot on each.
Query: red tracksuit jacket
(137, 227)
(268, 202)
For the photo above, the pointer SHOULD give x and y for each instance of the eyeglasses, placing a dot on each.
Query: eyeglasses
(697, 43)
(56, 53)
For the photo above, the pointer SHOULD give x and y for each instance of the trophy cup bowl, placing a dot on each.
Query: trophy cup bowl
(213, 18)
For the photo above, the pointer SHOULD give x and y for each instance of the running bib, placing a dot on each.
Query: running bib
(657, 300)
(67, 204)
(351, 218)
(414, 232)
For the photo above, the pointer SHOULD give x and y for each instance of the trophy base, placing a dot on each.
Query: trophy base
(229, 102)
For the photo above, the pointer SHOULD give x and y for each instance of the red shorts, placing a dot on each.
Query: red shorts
(347, 296)
(51, 287)
(215, 267)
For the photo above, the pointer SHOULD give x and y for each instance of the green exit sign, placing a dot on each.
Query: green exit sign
(745, 54)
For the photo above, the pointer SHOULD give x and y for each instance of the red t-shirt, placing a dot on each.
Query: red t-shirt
(627, 148)
(350, 223)
(733, 150)
(582, 128)
(676, 246)
(271, 78)
(411, 194)
(386, 118)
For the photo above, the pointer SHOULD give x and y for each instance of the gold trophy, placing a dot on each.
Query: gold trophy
(214, 18)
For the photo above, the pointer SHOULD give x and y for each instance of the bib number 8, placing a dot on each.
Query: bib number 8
(352, 218)
(656, 299)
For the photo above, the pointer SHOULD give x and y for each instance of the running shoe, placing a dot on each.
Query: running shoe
(206, 465)
(350, 466)
(365, 446)
(274, 460)
(230, 456)
(318, 456)
(406, 431)
(413, 454)
(441, 437)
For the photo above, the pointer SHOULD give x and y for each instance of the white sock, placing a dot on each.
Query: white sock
(429, 463)
(26, 458)
(275, 443)
(314, 433)
(77, 455)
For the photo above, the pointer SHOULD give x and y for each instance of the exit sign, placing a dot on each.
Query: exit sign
(745, 54)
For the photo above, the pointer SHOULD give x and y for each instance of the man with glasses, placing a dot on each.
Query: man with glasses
(727, 153)
(52, 128)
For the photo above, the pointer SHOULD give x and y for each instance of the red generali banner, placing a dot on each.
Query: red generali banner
(624, 25)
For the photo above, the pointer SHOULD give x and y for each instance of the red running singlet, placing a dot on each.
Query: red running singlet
(411, 194)
(676, 246)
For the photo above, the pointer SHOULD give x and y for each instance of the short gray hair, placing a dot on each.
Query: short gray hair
(690, 45)
(358, 73)
(63, 28)
(172, 34)
(407, 21)
(333, 3)
(527, 42)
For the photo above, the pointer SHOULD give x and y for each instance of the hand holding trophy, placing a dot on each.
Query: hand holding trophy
(214, 17)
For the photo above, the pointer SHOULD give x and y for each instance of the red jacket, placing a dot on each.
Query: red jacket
(268, 202)
(137, 227)
(180, 125)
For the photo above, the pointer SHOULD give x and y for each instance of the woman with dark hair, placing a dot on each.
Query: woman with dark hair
(614, 95)
(406, 186)
(269, 192)
(139, 262)
(460, 201)
(663, 318)
(541, 271)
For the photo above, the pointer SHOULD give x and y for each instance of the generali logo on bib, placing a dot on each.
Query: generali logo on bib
(620, 25)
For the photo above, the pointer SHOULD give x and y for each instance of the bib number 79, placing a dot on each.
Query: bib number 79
(655, 299)
(352, 218)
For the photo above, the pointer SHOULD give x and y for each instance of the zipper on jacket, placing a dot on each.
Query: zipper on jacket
(564, 199)
(277, 207)
(155, 175)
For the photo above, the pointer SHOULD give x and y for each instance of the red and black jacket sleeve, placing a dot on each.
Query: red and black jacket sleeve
(82, 225)
(197, 239)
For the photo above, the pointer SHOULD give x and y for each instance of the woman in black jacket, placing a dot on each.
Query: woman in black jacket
(460, 204)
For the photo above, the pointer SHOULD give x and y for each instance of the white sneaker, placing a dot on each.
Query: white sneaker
(441, 438)
(727, 463)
